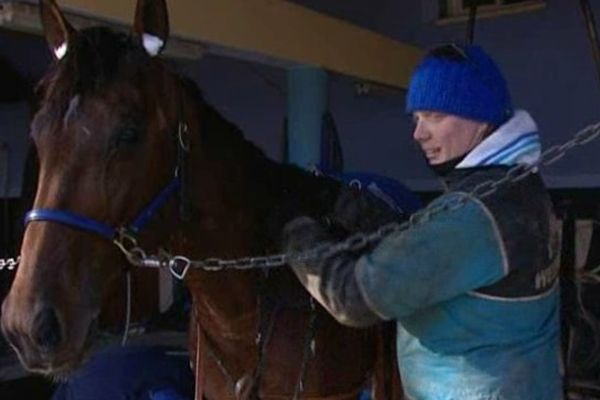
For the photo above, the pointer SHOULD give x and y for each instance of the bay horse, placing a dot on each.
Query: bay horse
(116, 127)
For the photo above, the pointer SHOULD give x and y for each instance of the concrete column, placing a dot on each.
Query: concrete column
(307, 101)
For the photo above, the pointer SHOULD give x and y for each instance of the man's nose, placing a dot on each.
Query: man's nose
(420, 134)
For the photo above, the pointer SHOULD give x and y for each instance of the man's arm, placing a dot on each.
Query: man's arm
(330, 281)
(451, 254)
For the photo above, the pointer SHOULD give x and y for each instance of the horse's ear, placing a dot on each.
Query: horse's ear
(151, 25)
(57, 29)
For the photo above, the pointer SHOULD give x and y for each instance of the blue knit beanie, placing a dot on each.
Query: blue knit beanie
(470, 86)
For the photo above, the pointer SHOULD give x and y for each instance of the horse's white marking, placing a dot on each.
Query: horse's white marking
(72, 110)
(152, 44)
(61, 50)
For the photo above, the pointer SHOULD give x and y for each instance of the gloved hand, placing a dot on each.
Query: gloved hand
(331, 280)
(303, 233)
(360, 211)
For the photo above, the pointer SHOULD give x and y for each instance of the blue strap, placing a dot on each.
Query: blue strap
(87, 224)
(147, 213)
(71, 219)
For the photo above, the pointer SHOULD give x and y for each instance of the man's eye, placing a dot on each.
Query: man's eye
(434, 116)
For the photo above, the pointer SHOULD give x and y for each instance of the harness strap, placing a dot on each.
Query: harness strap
(71, 219)
(87, 224)
(308, 352)
(183, 150)
(199, 370)
(267, 321)
(147, 213)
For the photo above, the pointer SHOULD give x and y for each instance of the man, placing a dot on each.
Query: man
(473, 289)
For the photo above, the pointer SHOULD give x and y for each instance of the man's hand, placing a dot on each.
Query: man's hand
(331, 281)
(360, 211)
(303, 233)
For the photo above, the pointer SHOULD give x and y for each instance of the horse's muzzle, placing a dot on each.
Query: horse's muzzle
(37, 340)
(46, 332)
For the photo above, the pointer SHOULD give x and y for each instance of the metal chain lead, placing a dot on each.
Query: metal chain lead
(9, 263)
(179, 265)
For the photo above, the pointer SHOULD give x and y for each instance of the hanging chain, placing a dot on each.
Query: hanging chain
(180, 265)
(9, 263)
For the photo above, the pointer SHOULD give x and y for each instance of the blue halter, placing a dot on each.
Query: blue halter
(87, 224)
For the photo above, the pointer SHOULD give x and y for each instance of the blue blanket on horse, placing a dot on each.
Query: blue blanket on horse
(132, 372)
(392, 192)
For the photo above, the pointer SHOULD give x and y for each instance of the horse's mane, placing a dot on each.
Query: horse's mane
(94, 58)
(281, 180)
(229, 135)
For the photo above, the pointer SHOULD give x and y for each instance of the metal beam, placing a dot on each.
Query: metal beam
(25, 17)
(276, 30)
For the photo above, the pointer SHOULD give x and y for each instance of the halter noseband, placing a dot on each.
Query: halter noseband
(87, 224)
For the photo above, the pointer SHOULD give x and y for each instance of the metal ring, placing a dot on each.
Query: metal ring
(184, 142)
(183, 263)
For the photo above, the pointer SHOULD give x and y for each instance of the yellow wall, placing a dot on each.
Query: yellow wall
(277, 29)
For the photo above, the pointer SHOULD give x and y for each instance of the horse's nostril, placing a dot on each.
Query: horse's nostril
(46, 330)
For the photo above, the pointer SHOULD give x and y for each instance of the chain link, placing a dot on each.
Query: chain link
(9, 263)
(180, 265)
(361, 240)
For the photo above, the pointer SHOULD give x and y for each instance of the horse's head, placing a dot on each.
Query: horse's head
(106, 144)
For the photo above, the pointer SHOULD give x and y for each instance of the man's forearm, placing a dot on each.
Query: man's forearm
(332, 283)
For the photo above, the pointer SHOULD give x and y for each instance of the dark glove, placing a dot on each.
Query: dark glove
(303, 233)
(331, 280)
(360, 211)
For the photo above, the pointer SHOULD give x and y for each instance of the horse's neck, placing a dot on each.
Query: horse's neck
(293, 192)
(241, 202)
(244, 195)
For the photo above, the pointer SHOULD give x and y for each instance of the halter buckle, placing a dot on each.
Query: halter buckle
(125, 241)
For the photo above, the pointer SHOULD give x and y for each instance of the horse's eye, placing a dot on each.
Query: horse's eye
(126, 136)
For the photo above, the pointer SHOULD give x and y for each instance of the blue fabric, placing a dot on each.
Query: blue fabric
(131, 373)
(511, 352)
(156, 204)
(365, 395)
(517, 141)
(392, 192)
(71, 219)
(454, 343)
(167, 394)
(473, 88)
(87, 224)
(430, 263)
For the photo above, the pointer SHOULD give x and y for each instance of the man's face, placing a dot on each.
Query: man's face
(443, 137)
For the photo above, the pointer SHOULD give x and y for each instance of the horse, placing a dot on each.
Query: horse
(118, 129)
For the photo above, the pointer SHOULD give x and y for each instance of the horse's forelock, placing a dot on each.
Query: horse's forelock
(94, 59)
